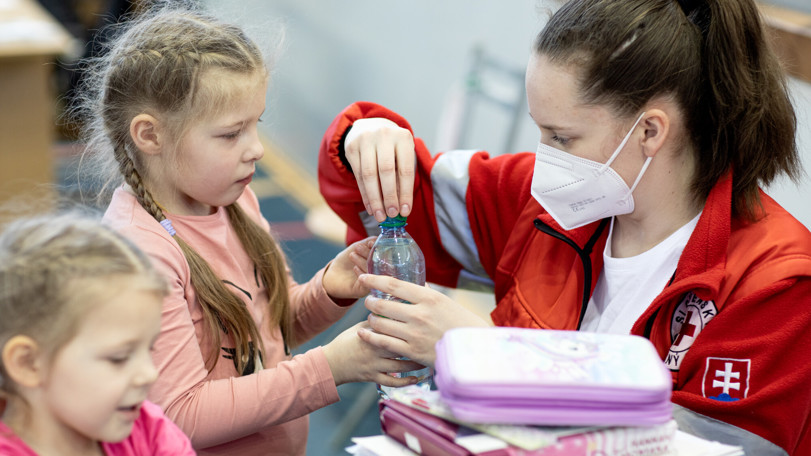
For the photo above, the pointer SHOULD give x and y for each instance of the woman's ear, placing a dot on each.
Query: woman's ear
(656, 124)
(22, 359)
(146, 134)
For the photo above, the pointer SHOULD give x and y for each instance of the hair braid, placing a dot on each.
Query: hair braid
(223, 310)
(155, 64)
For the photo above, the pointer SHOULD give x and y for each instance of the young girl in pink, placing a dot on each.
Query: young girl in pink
(81, 309)
(174, 109)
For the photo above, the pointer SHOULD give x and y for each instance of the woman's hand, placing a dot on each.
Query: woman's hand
(353, 360)
(341, 277)
(382, 157)
(411, 330)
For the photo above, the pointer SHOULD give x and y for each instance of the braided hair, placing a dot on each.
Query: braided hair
(155, 64)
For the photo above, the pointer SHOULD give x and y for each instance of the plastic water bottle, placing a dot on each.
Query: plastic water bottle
(396, 254)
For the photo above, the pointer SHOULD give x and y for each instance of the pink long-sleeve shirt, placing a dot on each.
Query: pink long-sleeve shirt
(222, 412)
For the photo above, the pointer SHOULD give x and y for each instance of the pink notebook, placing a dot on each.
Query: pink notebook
(547, 377)
(423, 433)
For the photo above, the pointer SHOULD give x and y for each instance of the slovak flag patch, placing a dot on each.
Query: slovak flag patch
(726, 379)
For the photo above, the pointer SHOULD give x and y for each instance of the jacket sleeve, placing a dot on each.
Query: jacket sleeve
(757, 349)
(465, 203)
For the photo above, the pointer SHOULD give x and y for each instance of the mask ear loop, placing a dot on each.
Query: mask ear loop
(641, 173)
(619, 148)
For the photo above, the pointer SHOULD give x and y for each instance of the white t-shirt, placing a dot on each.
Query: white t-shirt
(627, 286)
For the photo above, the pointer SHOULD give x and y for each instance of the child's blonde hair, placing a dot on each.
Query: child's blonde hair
(156, 64)
(55, 269)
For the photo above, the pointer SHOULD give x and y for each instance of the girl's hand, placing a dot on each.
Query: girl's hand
(353, 360)
(341, 277)
(382, 157)
(411, 330)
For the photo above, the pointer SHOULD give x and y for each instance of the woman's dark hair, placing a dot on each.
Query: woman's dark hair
(711, 57)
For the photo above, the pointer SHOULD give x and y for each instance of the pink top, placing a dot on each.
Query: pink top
(222, 412)
(152, 434)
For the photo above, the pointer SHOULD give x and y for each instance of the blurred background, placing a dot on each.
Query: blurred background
(454, 69)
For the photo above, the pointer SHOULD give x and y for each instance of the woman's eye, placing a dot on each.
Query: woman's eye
(560, 140)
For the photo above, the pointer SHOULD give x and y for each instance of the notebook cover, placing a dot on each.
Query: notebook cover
(423, 433)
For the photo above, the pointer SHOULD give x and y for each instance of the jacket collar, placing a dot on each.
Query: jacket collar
(705, 255)
(580, 236)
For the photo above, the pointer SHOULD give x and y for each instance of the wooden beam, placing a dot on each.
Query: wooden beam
(790, 35)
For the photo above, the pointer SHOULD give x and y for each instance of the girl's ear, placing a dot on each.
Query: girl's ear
(656, 124)
(146, 134)
(22, 359)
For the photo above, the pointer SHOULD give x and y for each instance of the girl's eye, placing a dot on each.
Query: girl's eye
(118, 360)
(231, 135)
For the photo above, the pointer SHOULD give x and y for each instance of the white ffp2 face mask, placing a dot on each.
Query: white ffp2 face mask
(576, 191)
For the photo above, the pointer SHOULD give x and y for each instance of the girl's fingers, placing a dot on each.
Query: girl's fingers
(390, 345)
(389, 326)
(388, 380)
(359, 262)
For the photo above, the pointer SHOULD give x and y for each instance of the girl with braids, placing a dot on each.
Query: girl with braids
(81, 309)
(640, 213)
(174, 106)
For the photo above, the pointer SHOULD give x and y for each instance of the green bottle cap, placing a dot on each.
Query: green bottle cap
(393, 222)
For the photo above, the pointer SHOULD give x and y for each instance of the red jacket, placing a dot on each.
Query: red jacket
(732, 325)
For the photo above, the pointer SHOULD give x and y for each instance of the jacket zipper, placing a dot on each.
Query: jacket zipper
(585, 258)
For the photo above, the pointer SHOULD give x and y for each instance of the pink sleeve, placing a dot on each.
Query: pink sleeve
(215, 411)
(313, 309)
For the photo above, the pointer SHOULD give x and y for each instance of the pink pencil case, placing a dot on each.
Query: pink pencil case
(548, 377)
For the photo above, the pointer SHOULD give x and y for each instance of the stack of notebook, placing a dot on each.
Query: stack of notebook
(524, 392)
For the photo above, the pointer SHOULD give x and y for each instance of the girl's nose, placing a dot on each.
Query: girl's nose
(147, 374)
(256, 150)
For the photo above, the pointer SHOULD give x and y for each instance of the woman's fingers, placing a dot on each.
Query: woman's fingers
(405, 157)
(381, 155)
(406, 291)
(386, 168)
(369, 178)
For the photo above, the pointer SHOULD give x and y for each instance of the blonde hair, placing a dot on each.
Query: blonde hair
(53, 270)
(157, 64)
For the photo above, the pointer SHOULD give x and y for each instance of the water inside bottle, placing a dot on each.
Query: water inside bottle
(401, 258)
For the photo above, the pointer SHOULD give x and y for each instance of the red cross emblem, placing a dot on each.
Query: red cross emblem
(688, 319)
(687, 329)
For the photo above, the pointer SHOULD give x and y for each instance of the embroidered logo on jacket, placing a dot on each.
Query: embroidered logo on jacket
(689, 318)
(726, 379)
